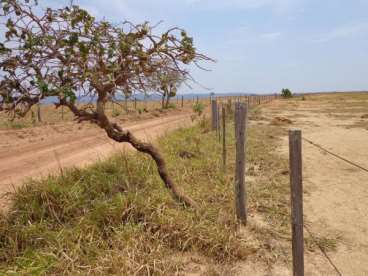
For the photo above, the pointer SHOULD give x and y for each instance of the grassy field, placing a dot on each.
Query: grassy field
(116, 217)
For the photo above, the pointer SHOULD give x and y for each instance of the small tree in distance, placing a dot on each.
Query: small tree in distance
(167, 83)
(286, 93)
(65, 53)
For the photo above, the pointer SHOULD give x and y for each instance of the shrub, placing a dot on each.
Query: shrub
(171, 106)
(286, 93)
(198, 108)
(115, 113)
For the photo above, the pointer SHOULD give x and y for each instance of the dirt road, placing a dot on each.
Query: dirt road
(336, 193)
(41, 151)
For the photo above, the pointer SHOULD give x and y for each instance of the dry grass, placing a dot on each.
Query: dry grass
(116, 217)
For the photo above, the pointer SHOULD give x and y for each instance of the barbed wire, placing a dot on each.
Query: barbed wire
(322, 250)
(336, 155)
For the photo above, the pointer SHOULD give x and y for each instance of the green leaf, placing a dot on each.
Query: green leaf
(44, 88)
(73, 39)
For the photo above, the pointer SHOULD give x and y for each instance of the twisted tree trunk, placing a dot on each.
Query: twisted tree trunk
(163, 101)
(167, 101)
(119, 135)
(116, 133)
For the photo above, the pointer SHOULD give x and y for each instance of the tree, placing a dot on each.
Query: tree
(66, 53)
(166, 83)
(286, 93)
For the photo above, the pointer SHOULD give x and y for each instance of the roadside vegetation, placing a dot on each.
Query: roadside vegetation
(116, 218)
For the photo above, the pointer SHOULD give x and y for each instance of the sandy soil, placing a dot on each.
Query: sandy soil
(35, 152)
(336, 193)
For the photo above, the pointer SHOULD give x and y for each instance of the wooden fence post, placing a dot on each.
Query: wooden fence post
(182, 101)
(229, 107)
(240, 135)
(62, 112)
(214, 114)
(224, 137)
(219, 123)
(135, 103)
(39, 113)
(296, 185)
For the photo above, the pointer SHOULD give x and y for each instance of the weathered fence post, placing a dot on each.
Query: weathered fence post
(229, 107)
(224, 137)
(214, 114)
(62, 112)
(296, 185)
(219, 123)
(182, 101)
(240, 135)
(39, 113)
(135, 103)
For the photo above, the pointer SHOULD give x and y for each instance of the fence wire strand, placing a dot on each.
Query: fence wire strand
(306, 228)
(322, 250)
(336, 155)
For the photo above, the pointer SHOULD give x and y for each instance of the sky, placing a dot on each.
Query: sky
(261, 46)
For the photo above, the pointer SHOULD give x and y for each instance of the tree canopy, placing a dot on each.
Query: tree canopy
(286, 93)
(66, 53)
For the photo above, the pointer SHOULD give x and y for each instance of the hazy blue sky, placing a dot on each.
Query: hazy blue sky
(262, 45)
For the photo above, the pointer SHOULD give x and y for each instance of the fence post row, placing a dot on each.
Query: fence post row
(240, 135)
(296, 185)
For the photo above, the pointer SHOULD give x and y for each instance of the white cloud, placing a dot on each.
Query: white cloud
(344, 32)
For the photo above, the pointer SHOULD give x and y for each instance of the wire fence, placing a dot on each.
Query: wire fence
(296, 177)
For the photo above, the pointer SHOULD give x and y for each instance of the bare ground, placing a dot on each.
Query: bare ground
(336, 193)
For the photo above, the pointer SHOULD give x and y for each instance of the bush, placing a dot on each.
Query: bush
(115, 113)
(198, 108)
(171, 106)
(286, 93)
